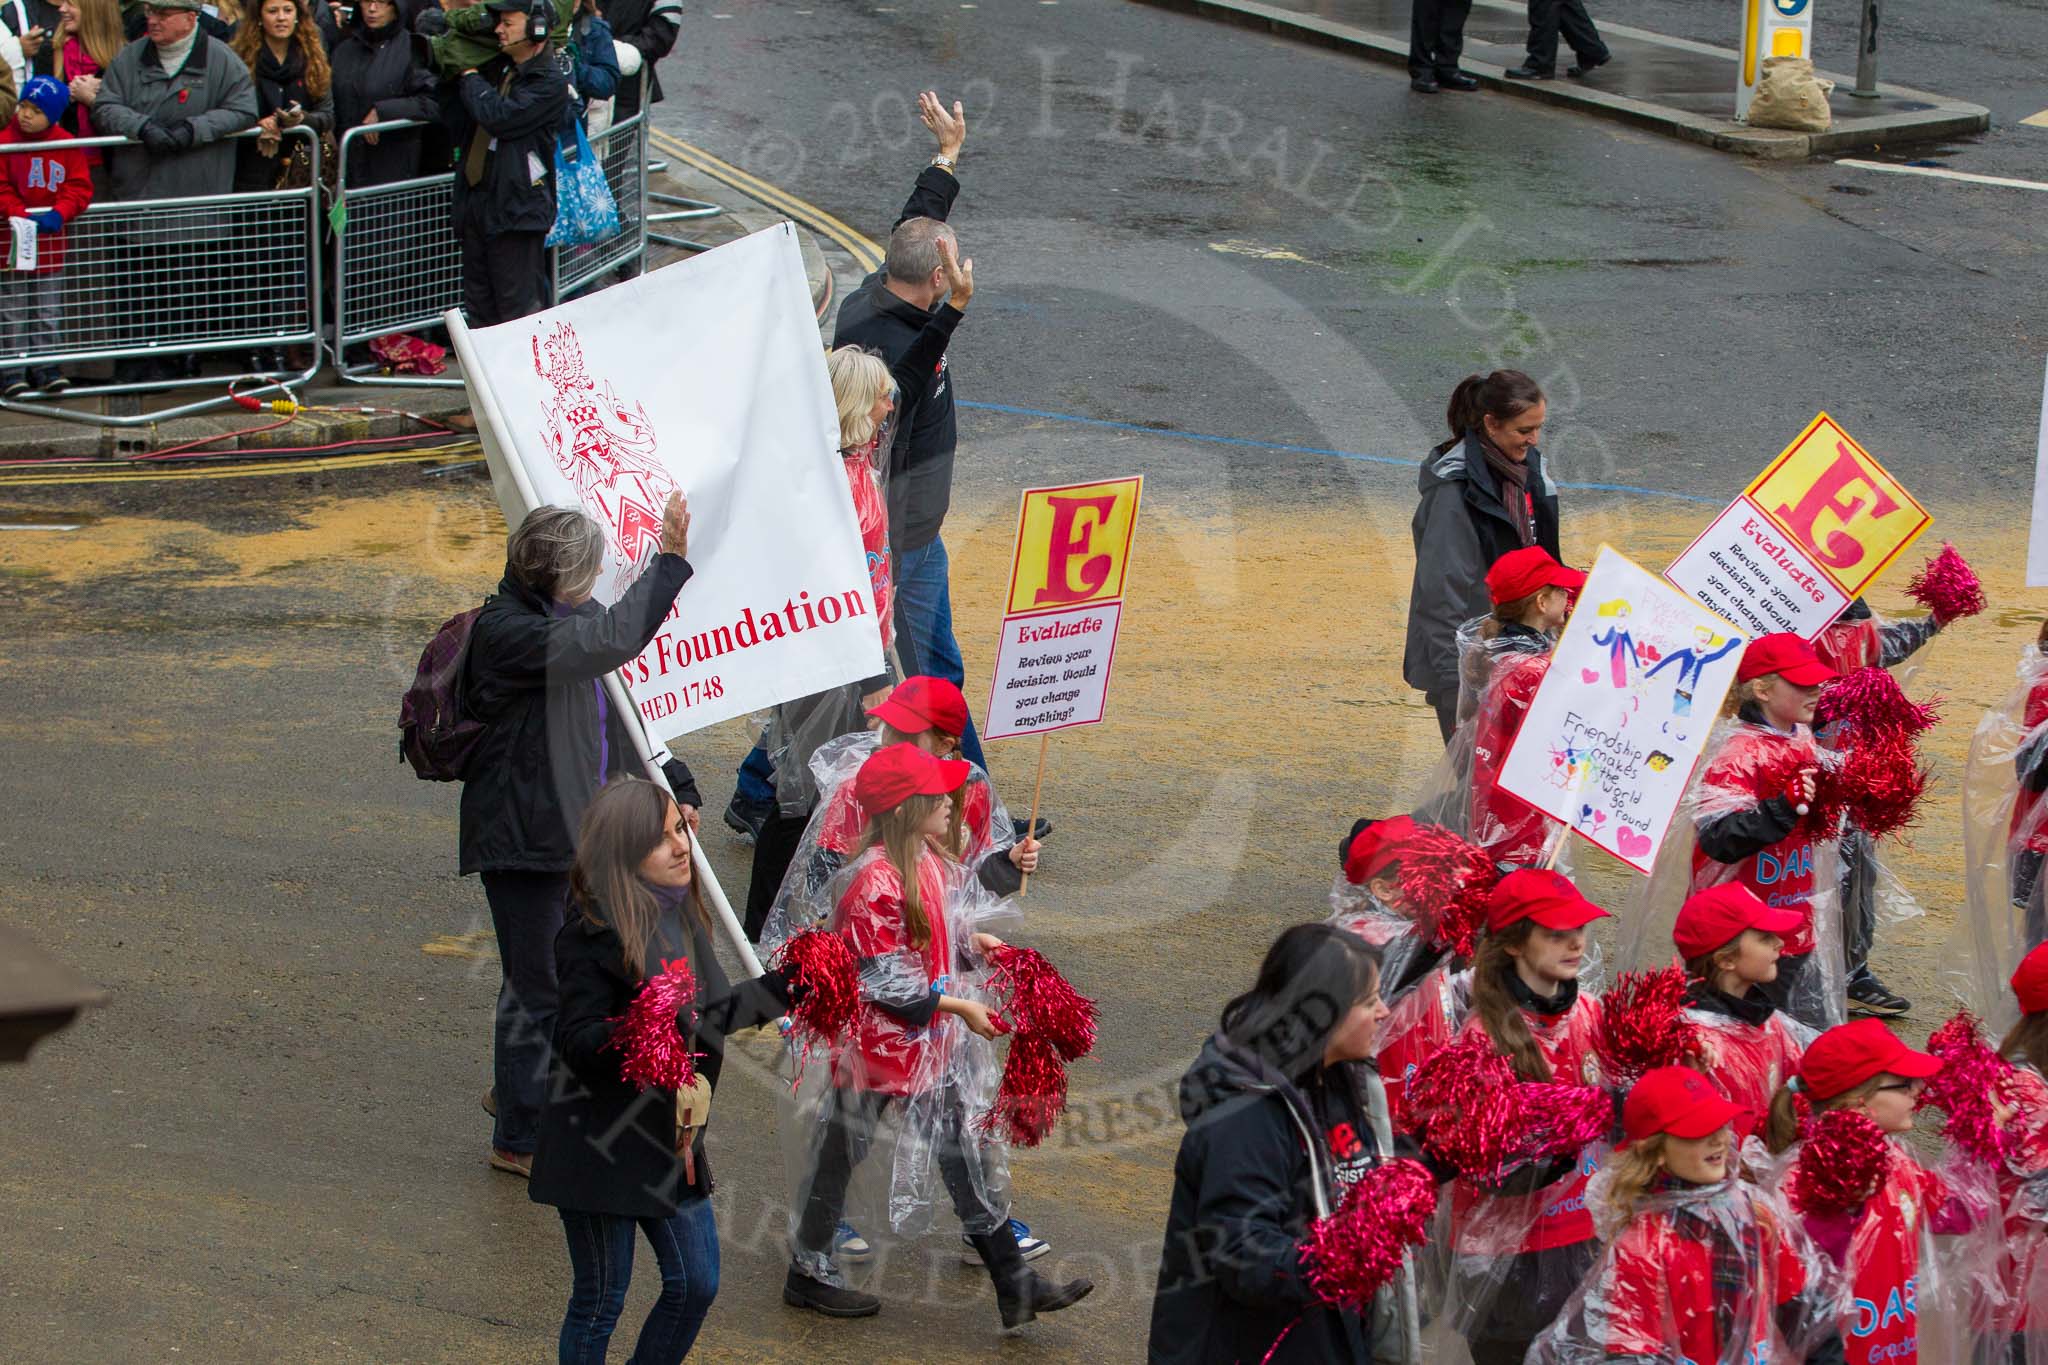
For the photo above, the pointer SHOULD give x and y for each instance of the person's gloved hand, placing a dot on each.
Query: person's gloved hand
(156, 137)
(48, 221)
(182, 136)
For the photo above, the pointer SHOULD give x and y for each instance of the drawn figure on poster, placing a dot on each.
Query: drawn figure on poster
(1692, 665)
(603, 447)
(1570, 768)
(1621, 648)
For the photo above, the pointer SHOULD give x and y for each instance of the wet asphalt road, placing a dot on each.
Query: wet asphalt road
(1223, 255)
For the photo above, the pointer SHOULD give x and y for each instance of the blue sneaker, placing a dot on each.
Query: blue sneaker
(1029, 1247)
(849, 1245)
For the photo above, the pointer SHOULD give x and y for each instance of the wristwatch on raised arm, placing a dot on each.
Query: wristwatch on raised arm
(948, 164)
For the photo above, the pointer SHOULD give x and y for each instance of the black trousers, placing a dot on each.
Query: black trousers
(526, 914)
(1859, 899)
(1436, 36)
(847, 1129)
(1548, 17)
(504, 274)
(2027, 888)
(1445, 704)
(774, 846)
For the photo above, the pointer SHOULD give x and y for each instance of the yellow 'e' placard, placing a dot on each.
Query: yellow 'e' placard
(1839, 504)
(1073, 545)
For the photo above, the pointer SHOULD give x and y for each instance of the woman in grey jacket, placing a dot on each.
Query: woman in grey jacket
(1483, 494)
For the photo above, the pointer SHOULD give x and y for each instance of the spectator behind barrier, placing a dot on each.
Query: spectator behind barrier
(49, 186)
(87, 39)
(33, 26)
(214, 24)
(181, 94)
(649, 27)
(378, 77)
(287, 60)
(468, 39)
(593, 63)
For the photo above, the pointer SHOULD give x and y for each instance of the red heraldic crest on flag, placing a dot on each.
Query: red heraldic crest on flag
(603, 447)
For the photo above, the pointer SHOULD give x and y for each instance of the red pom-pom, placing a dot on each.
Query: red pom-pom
(1948, 587)
(1555, 1118)
(1970, 1073)
(1643, 1024)
(821, 969)
(1462, 1103)
(1870, 700)
(1878, 783)
(1843, 1157)
(1778, 773)
(1355, 1252)
(1447, 880)
(650, 1033)
(1050, 1024)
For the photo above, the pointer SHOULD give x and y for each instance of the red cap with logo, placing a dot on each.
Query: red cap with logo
(1376, 846)
(893, 775)
(1676, 1100)
(2030, 982)
(1786, 655)
(1717, 916)
(1519, 573)
(1848, 1055)
(1542, 895)
(920, 704)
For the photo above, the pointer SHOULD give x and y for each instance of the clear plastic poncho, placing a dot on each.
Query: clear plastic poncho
(1922, 1258)
(837, 828)
(2020, 1319)
(2005, 840)
(1700, 1275)
(1746, 764)
(901, 1104)
(1748, 1062)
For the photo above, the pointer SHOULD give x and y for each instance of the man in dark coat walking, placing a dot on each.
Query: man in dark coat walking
(504, 132)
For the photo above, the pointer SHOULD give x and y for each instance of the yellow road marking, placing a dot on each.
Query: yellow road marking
(2039, 120)
(859, 245)
(146, 474)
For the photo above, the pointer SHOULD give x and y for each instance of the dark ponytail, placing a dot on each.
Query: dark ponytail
(1502, 395)
(1312, 976)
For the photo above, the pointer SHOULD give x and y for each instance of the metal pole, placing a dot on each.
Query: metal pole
(1866, 54)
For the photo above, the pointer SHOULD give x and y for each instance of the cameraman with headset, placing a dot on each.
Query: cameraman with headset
(504, 131)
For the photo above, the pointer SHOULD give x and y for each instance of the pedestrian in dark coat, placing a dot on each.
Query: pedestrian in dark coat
(1483, 494)
(534, 675)
(287, 60)
(614, 1157)
(378, 77)
(1279, 1127)
(650, 26)
(504, 132)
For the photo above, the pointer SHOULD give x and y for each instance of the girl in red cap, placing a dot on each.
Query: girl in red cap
(1751, 809)
(1532, 597)
(2025, 734)
(1521, 1247)
(1884, 1241)
(1700, 1266)
(897, 906)
(2021, 1326)
(1730, 942)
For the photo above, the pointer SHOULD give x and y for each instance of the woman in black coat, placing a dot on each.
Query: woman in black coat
(1279, 1126)
(287, 59)
(613, 1157)
(1483, 494)
(534, 676)
(378, 78)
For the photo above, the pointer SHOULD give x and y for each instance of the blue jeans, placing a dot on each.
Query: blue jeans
(924, 627)
(601, 1260)
(757, 779)
(526, 914)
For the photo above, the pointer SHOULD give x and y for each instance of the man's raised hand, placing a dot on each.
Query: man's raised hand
(949, 127)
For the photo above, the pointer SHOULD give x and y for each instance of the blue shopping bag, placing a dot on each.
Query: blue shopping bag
(585, 211)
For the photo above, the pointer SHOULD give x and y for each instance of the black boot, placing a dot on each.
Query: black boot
(1021, 1294)
(801, 1291)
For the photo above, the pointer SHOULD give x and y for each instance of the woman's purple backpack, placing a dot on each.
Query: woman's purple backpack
(433, 733)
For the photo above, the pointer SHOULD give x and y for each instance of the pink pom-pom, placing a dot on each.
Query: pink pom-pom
(1948, 587)
(1355, 1252)
(822, 970)
(1843, 1157)
(1042, 1002)
(1462, 1103)
(1871, 700)
(1971, 1072)
(650, 1033)
(1447, 880)
(1643, 1024)
(1878, 783)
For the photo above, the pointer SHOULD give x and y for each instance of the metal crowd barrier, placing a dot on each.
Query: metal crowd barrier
(162, 280)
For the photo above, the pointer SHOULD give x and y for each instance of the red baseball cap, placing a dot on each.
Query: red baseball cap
(2030, 982)
(1848, 1055)
(893, 775)
(1375, 846)
(1542, 895)
(1717, 916)
(920, 704)
(1676, 1100)
(1786, 655)
(1518, 573)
